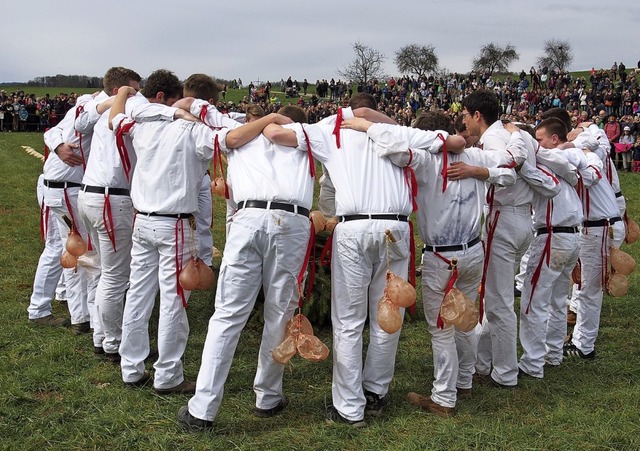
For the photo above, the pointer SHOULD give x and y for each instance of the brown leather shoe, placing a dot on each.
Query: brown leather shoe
(50, 320)
(186, 387)
(426, 403)
(146, 377)
(81, 328)
(481, 379)
(463, 393)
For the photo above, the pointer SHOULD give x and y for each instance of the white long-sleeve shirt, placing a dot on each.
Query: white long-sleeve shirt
(64, 132)
(261, 170)
(519, 194)
(364, 182)
(451, 217)
(106, 168)
(172, 160)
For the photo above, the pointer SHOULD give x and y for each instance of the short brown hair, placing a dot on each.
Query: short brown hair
(118, 76)
(162, 80)
(202, 86)
(434, 120)
(361, 100)
(294, 112)
(554, 126)
(558, 113)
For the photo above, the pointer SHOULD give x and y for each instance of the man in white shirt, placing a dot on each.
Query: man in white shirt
(509, 231)
(63, 173)
(266, 244)
(164, 191)
(552, 255)
(104, 201)
(450, 201)
(372, 197)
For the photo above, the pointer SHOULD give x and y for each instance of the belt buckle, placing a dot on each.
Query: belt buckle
(268, 207)
(464, 246)
(295, 208)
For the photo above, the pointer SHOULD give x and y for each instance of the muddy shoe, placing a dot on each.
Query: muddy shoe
(81, 328)
(50, 320)
(186, 387)
(426, 403)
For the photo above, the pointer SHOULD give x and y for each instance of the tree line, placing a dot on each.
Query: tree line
(421, 60)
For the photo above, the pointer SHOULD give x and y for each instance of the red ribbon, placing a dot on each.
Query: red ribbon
(325, 255)
(336, 129)
(217, 161)
(546, 254)
(179, 230)
(412, 182)
(310, 255)
(312, 165)
(450, 284)
(491, 229)
(445, 162)
(121, 146)
(107, 219)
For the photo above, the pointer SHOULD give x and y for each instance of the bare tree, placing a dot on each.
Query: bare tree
(557, 55)
(417, 59)
(493, 58)
(365, 66)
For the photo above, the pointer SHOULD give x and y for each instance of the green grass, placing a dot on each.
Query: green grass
(57, 395)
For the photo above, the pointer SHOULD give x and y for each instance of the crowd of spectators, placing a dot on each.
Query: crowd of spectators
(20, 112)
(609, 97)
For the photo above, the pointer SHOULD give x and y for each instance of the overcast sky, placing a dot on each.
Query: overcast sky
(260, 40)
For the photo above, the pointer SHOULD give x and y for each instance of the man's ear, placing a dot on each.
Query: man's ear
(160, 96)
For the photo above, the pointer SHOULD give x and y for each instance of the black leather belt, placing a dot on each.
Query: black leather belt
(269, 205)
(602, 222)
(619, 194)
(59, 185)
(102, 190)
(454, 247)
(545, 230)
(390, 217)
(166, 215)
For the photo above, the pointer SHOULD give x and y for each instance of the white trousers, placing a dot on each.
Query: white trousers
(358, 280)
(454, 351)
(589, 297)
(80, 284)
(497, 351)
(153, 267)
(543, 317)
(49, 270)
(264, 248)
(115, 264)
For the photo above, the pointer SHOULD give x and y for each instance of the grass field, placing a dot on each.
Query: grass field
(57, 395)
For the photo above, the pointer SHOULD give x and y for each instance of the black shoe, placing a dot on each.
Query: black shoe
(570, 350)
(153, 355)
(146, 377)
(497, 384)
(268, 413)
(375, 403)
(516, 293)
(112, 357)
(98, 351)
(192, 423)
(81, 328)
(333, 416)
(522, 374)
